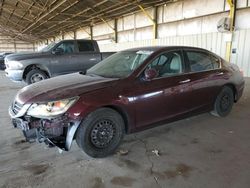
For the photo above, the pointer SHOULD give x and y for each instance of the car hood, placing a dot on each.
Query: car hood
(62, 87)
(24, 55)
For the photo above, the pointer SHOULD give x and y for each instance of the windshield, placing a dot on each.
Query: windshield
(48, 47)
(119, 65)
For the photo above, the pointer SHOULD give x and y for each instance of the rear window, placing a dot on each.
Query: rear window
(200, 61)
(85, 46)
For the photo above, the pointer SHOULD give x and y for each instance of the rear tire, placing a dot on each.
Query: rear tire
(224, 102)
(35, 75)
(100, 133)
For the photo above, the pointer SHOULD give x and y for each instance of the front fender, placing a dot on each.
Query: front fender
(71, 134)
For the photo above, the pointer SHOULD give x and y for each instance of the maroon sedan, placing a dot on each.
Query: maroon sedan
(127, 92)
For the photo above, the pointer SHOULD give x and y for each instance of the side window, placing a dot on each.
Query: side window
(85, 46)
(215, 62)
(168, 64)
(159, 61)
(200, 61)
(67, 47)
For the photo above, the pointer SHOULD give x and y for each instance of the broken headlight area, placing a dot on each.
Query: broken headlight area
(53, 132)
(52, 109)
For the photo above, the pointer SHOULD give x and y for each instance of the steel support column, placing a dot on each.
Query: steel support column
(116, 33)
(74, 34)
(153, 20)
(91, 32)
(110, 26)
(232, 13)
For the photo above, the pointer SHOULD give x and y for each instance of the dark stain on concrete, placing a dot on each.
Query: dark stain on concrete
(180, 170)
(129, 164)
(37, 169)
(21, 144)
(195, 141)
(167, 129)
(98, 183)
(184, 144)
(123, 181)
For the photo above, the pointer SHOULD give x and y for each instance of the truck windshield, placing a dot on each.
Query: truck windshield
(120, 65)
(48, 47)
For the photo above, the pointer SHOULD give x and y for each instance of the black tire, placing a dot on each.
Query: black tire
(100, 133)
(224, 102)
(35, 75)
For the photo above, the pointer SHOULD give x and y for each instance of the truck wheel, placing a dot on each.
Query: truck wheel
(35, 75)
(100, 133)
(224, 102)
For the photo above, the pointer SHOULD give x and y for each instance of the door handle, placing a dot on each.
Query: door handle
(220, 73)
(184, 81)
(92, 59)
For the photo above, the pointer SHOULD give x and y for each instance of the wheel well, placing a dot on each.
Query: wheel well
(232, 86)
(123, 114)
(31, 67)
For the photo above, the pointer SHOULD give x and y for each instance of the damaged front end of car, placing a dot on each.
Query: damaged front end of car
(46, 122)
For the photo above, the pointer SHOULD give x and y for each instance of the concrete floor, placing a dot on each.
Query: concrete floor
(202, 151)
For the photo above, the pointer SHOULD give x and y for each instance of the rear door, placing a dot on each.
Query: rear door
(87, 55)
(204, 75)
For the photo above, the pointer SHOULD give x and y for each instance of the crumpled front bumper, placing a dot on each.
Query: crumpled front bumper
(58, 131)
(29, 134)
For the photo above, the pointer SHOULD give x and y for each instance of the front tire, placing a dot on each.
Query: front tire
(224, 102)
(35, 75)
(100, 133)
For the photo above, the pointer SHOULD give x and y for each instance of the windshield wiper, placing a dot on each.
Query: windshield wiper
(89, 74)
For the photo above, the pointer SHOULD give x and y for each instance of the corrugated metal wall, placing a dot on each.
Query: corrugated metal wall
(212, 41)
(7, 44)
(241, 43)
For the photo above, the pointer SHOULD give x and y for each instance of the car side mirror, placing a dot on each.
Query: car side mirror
(150, 74)
(58, 51)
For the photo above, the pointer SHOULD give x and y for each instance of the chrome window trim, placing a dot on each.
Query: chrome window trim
(183, 74)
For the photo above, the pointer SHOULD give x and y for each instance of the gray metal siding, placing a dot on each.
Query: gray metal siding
(241, 43)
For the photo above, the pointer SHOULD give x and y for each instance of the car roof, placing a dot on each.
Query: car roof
(156, 48)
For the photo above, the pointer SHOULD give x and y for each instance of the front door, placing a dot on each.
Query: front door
(64, 63)
(165, 96)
